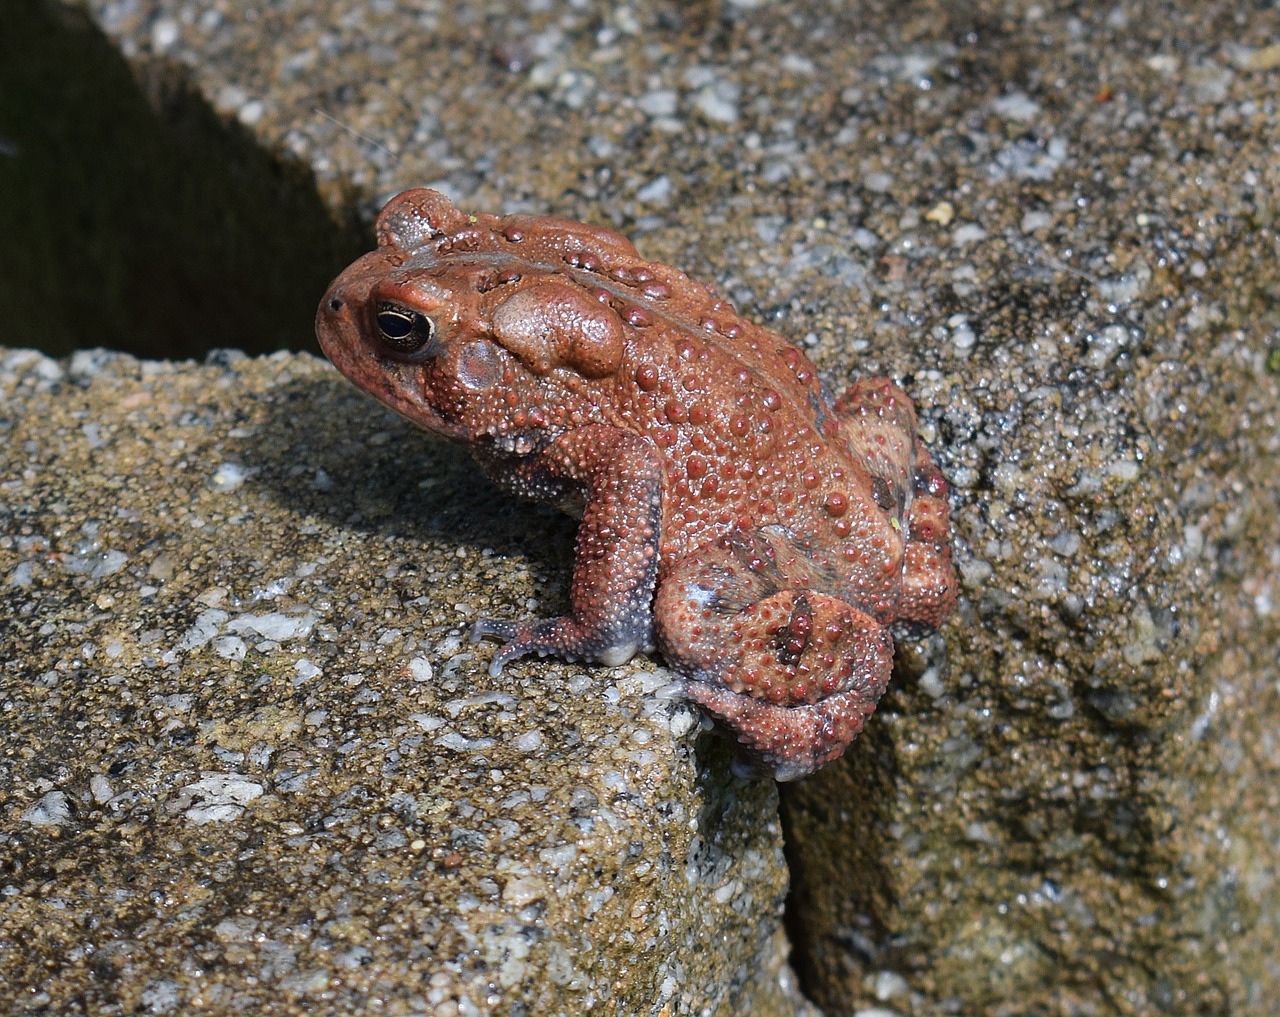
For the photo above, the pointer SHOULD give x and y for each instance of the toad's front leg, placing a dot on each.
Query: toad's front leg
(615, 564)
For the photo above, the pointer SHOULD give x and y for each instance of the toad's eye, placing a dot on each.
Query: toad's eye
(403, 329)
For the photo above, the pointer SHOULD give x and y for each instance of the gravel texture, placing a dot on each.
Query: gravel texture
(254, 765)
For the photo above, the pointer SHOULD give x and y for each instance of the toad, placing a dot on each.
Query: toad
(764, 536)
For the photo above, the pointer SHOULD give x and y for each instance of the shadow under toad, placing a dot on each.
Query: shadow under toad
(336, 455)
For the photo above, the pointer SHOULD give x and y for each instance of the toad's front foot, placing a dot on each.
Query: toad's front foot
(564, 637)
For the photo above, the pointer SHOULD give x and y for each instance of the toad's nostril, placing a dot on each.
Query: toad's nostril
(336, 304)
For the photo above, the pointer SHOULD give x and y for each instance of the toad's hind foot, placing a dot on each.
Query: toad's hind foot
(784, 742)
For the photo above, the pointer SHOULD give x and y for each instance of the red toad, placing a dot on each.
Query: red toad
(763, 535)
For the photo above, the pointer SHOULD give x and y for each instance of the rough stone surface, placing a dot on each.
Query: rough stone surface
(1055, 223)
(251, 764)
(1078, 812)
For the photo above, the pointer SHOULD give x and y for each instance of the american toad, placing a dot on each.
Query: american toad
(763, 535)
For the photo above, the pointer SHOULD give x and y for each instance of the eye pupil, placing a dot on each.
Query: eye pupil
(405, 330)
(394, 325)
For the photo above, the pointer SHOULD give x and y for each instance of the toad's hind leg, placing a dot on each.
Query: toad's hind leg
(880, 420)
(793, 673)
(929, 586)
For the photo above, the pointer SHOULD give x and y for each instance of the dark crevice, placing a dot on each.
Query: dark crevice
(133, 216)
(846, 896)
